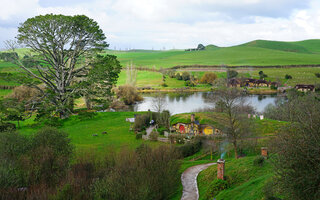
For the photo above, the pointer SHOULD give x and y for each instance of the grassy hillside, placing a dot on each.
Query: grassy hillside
(246, 180)
(264, 127)
(80, 132)
(259, 52)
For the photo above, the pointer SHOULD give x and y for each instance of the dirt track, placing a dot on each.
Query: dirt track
(189, 181)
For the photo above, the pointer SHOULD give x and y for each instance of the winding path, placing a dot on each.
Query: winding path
(189, 181)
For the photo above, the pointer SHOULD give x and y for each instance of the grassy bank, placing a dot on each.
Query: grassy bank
(247, 180)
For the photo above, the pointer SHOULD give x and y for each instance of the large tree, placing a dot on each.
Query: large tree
(62, 45)
(231, 101)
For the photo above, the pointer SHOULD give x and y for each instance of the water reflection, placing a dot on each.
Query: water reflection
(184, 102)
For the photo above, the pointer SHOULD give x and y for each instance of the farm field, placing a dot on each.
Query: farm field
(255, 53)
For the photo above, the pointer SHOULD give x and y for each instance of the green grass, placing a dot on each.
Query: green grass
(80, 132)
(247, 180)
(266, 127)
(4, 93)
(260, 52)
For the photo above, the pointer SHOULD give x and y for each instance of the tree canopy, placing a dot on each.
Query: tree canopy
(65, 49)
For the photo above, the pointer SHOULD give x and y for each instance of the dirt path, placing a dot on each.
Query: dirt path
(149, 130)
(189, 181)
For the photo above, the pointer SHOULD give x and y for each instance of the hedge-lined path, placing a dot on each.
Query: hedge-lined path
(189, 181)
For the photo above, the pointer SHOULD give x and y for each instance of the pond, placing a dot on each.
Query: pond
(186, 102)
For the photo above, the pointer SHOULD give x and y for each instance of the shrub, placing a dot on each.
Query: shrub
(141, 122)
(49, 156)
(317, 75)
(287, 76)
(190, 148)
(215, 187)
(164, 85)
(7, 127)
(178, 76)
(86, 115)
(128, 94)
(185, 76)
(231, 74)
(139, 136)
(258, 161)
(208, 78)
(154, 136)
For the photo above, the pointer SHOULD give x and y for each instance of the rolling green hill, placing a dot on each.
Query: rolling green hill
(259, 52)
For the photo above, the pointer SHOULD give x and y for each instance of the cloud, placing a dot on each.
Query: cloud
(178, 23)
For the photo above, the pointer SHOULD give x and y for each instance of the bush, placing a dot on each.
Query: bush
(215, 187)
(178, 76)
(317, 75)
(50, 156)
(139, 136)
(141, 122)
(190, 148)
(128, 94)
(164, 85)
(7, 127)
(258, 161)
(185, 76)
(287, 76)
(154, 136)
(231, 74)
(208, 78)
(86, 115)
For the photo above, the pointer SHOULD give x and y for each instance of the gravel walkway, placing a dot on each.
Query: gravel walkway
(189, 181)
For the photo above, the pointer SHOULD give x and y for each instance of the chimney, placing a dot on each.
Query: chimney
(220, 173)
(192, 118)
(264, 152)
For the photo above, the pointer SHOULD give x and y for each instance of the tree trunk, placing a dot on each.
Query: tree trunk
(88, 102)
(235, 149)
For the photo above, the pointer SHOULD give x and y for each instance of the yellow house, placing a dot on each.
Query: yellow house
(208, 130)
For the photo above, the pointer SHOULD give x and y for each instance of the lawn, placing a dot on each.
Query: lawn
(247, 180)
(80, 132)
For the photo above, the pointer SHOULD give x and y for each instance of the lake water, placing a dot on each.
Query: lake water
(190, 101)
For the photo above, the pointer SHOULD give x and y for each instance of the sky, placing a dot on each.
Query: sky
(177, 24)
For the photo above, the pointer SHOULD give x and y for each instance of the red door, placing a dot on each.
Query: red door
(181, 128)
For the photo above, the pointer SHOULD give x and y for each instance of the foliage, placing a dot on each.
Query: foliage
(201, 47)
(258, 161)
(102, 76)
(190, 148)
(208, 78)
(154, 136)
(178, 76)
(287, 76)
(139, 136)
(128, 94)
(231, 74)
(141, 121)
(7, 126)
(317, 75)
(262, 75)
(297, 165)
(86, 115)
(144, 174)
(215, 187)
(59, 50)
(185, 76)
(237, 125)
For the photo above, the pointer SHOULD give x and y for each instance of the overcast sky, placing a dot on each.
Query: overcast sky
(180, 24)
